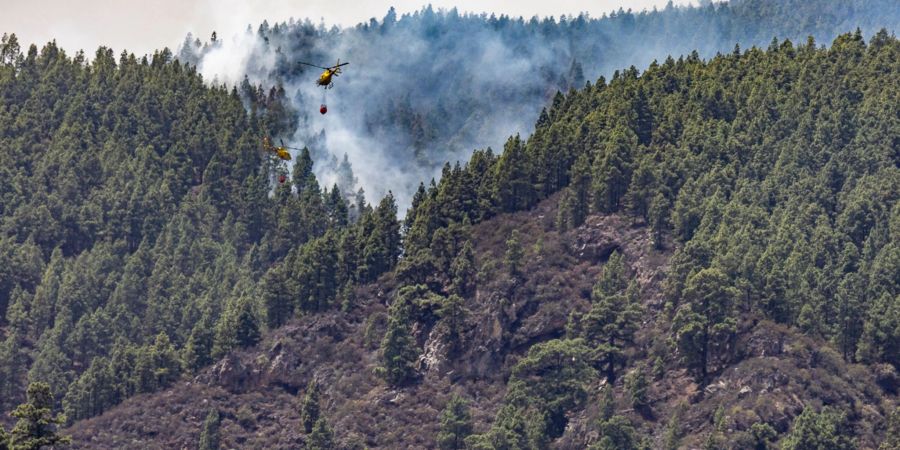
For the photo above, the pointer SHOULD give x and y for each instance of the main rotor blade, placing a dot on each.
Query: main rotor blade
(312, 65)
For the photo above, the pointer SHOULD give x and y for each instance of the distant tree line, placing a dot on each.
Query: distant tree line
(495, 70)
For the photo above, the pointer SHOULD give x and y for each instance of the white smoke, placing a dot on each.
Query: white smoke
(465, 81)
(228, 61)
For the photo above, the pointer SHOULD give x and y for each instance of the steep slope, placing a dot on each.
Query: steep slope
(508, 315)
(258, 392)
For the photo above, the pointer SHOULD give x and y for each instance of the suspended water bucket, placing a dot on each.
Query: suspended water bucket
(323, 109)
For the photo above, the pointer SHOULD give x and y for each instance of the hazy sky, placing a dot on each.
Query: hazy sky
(143, 25)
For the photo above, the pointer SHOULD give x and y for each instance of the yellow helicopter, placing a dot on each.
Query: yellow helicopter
(281, 152)
(326, 78)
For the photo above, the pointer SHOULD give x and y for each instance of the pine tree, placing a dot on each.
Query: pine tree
(165, 360)
(613, 278)
(302, 175)
(617, 434)
(612, 171)
(412, 213)
(762, 434)
(549, 381)
(322, 437)
(657, 216)
(237, 328)
(360, 207)
(580, 190)
(13, 354)
(720, 425)
(209, 433)
(463, 272)
(315, 273)
(382, 246)
(613, 319)
(277, 292)
(705, 324)
(309, 410)
(673, 431)
(388, 228)
(636, 384)
(880, 340)
(564, 213)
(4, 439)
(92, 393)
(36, 426)
(849, 297)
(346, 180)
(687, 210)
(607, 405)
(336, 207)
(456, 424)
(399, 352)
(513, 189)
(52, 363)
(892, 437)
(247, 327)
(452, 312)
(443, 248)
(313, 215)
(197, 351)
(576, 75)
(825, 430)
(514, 253)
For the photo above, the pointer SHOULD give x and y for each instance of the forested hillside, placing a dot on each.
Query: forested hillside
(704, 253)
(428, 87)
(139, 213)
(776, 172)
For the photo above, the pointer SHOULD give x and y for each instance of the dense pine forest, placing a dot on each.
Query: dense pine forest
(139, 215)
(776, 173)
(665, 238)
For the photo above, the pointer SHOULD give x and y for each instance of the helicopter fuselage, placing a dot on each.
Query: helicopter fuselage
(325, 78)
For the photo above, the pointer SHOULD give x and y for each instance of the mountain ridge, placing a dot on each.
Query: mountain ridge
(769, 176)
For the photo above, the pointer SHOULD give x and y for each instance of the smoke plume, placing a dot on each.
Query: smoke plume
(427, 88)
